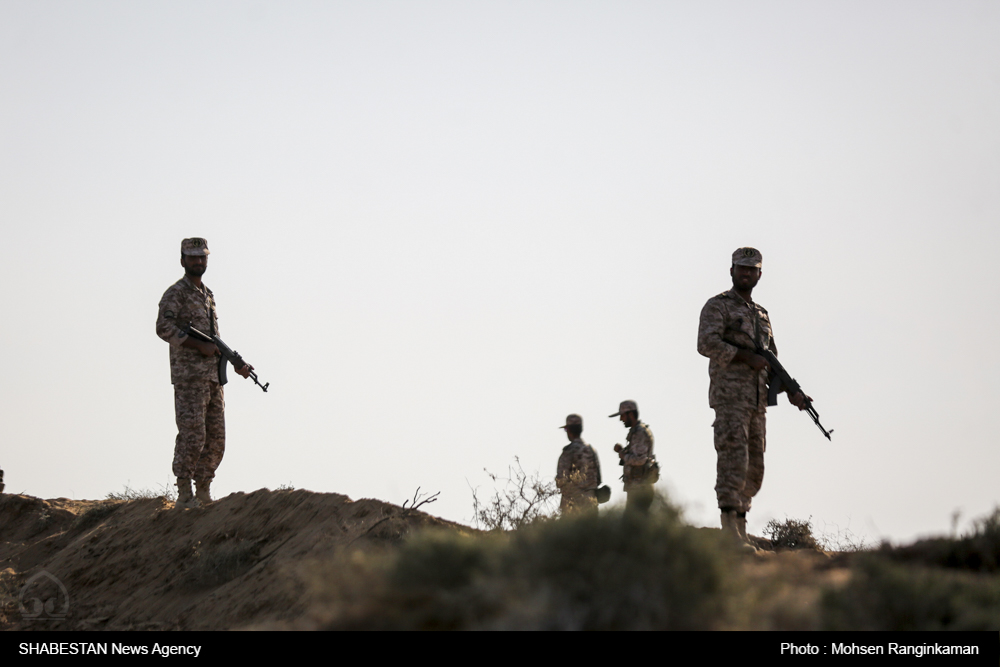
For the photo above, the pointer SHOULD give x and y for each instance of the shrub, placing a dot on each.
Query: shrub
(522, 500)
(128, 493)
(620, 571)
(608, 571)
(979, 550)
(888, 596)
(791, 534)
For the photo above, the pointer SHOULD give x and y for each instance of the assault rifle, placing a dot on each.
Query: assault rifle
(780, 379)
(227, 355)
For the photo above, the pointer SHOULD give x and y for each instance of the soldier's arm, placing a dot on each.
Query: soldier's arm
(638, 452)
(169, 329)
(711, 326)
(593, 471)
(754, 361)
(207, 349)
(562, 471)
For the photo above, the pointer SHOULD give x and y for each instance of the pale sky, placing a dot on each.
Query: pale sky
(439, 227)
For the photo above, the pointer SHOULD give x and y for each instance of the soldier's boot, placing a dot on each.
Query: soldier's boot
(185, 498)
(741, 527)
(730, 524)
(203, 491)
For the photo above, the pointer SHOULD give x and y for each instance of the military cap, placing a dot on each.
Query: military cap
(747, 257)
(572, 420)
(626, 406)
(194, 246)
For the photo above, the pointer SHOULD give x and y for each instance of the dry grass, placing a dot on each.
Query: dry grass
(168, 492)
(791, 534)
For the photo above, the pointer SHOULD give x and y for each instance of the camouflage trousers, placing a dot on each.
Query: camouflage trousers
(201, 429)
(573, 502)
(639, 498)
(739, 443)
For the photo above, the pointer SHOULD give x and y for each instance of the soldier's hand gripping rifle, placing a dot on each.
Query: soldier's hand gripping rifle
(227, 355)
(780, 379)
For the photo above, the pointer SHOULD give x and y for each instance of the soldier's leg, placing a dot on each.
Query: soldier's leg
(215, 435)
(190, 405)
(732, 431)
(638, 499)
(756, 444)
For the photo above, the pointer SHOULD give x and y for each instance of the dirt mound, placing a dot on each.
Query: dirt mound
(143, 564)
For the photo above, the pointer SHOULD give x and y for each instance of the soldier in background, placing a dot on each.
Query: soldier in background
(578, 473)
(731, 327)
(198, 399)
(639, 468)
(1, 480)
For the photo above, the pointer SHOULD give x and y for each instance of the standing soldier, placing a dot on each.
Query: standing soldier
(579, 472)
(731, 328)
(198, 401)
(640, 469)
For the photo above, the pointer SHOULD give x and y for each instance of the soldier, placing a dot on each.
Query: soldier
(1, 481)
(640, 470)
(198, 399)
(729, 331)
(578, 473)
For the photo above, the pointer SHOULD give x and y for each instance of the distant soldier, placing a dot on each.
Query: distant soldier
(198, 399)
(640, 470)
(579, 472)
(731, 328)
(1, 480)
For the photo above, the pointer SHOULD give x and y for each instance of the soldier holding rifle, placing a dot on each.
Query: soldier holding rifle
(198, 399)
(732, 327)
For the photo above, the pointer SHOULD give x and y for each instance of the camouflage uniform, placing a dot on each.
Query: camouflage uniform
(738, 393)
(635, 455)
(198, 399)
(578, 475)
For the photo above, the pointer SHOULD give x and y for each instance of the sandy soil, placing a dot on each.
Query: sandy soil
(95, 565)
(247, 561)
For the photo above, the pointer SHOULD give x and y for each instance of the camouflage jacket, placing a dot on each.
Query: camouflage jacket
(578, 471)
(727, 324)
(182, 303)
(635, 455)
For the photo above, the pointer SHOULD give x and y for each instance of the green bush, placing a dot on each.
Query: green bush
(978, 551)
(592, 572)
(618, 572)
(888, 596)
